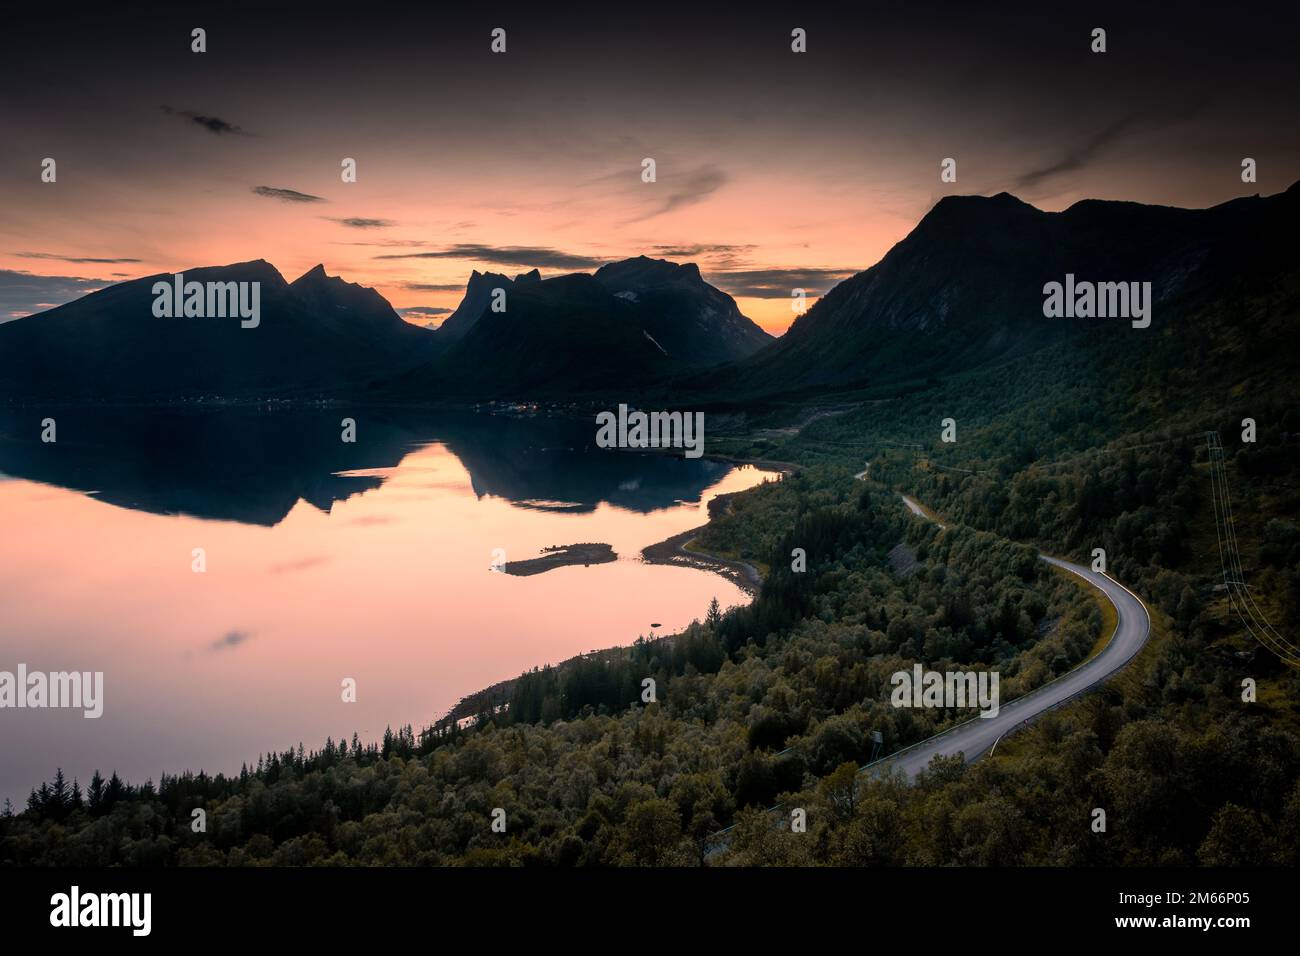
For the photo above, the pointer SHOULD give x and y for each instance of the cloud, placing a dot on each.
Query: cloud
(1077, 157)
(434, 286)
(392, 243)
(286, 195)
(22, 293)
(539, 257)
(777, 283)
(301, 564)
(357, 222)
(425, 310)
(230, 639)
(702, 249)
(75, 259)
(213, 124)
(685, 189)
(367, 521)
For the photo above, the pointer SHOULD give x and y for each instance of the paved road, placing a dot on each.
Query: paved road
(978, 735)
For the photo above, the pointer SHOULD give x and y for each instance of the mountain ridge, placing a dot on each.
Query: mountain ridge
(963, 290)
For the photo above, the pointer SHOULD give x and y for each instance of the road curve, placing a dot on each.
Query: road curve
(976, 736)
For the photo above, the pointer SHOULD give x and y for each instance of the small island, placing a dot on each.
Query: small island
(561, 556)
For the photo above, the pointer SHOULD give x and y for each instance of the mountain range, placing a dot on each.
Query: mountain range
(316, 336)
(963, 290)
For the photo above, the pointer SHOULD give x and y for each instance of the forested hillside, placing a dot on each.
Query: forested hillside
(770, 702)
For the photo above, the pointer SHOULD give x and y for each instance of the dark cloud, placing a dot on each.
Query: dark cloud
(777, 283)
(1078, 156)
(230, 639)
(22, 293)
(77, 259)
(1084, 154)
(701, 249)
(434, 286)
(286, 195)
(213, 124)
(685, 189)
(537, 256)
(357, 222)
(425, 310)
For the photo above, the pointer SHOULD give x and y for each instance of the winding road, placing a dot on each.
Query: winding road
(979, 734)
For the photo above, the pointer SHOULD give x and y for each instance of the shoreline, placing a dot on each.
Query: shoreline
(673, 551)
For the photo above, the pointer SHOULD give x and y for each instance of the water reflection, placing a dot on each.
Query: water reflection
(324, 560)
(253, 466)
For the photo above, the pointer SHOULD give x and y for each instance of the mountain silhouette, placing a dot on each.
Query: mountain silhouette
(694, 323)
(580, 334)
(313, 337)
(965, 287)
(690, 319)
(321, 336)
(964, 290)
(477, 299)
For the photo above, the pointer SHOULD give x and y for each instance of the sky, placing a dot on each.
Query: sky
(775, 170)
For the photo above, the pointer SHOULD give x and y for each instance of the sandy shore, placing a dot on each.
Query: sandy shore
(674, 551)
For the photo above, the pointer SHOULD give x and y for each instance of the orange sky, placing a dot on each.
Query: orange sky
(756, 220)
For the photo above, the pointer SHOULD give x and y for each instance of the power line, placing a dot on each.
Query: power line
(1234, 575)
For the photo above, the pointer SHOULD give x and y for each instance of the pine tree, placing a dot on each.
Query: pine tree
(116, 790)
(59, 796)
(96, 791)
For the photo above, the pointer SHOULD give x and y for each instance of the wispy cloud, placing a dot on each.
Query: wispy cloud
(425, 310)
(684, 189)
(359, 222)
(386, 243)
(701, 249)
(213, 124)
(229, 639)
(434, 286)
(301, 564)
(286, 195)
(1084, 154)
(1078, 156)
(538, 256)
(76, 259)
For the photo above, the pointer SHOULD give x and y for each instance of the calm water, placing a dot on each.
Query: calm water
(325, 561)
